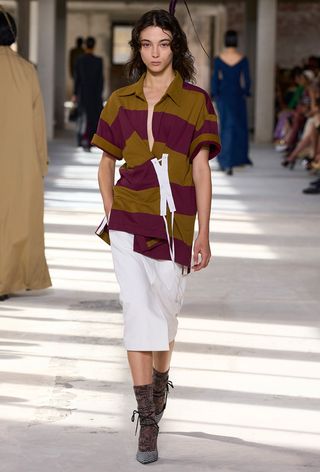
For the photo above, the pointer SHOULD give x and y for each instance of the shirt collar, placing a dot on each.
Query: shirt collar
(174, 90)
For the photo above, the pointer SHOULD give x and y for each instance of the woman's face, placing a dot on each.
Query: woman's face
(155, 49)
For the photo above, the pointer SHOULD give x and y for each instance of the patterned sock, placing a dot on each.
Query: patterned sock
(160, 388)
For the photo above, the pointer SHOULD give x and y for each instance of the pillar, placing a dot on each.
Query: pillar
(23, 27)
(265, 70)
(46, 59)
(34, 31)
(250, 49)
(60, 63)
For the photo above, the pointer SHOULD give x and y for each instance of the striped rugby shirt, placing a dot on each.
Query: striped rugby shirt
(184, 121)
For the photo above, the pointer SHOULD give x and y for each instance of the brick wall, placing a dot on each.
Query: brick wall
(236, 12)
(298, 32)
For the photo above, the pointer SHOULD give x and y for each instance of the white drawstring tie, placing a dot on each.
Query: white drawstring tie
(166, 197)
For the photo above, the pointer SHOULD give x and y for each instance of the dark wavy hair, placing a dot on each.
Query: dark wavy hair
(183, 61)
(8, 29)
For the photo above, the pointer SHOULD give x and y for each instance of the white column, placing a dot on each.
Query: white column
(60, 63)
(46, 59)
(34, 31)
(265, 70)
(251, 36)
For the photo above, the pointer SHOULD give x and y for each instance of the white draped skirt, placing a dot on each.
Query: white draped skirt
(151, 294)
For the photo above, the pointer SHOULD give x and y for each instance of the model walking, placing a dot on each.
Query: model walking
(23, 165)
(230, 86)
(165, 129)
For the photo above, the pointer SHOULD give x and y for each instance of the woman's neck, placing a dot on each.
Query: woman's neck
(159, 81)
(231, 50)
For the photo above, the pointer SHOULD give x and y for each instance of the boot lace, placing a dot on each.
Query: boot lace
(149, 421)
(165, 391)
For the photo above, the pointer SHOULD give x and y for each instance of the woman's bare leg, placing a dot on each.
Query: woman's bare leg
(305, 142)
(162, 359)
(140, 363)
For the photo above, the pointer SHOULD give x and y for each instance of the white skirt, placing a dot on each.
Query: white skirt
(151, 294)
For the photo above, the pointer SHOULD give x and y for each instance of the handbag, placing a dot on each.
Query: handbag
(73, 114)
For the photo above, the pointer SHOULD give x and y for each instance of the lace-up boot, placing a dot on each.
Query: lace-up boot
(147, 448)
(161, 384)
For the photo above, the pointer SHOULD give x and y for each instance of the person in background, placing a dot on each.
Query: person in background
(74, 55)
(23, 164)
(307, 146)
(291, 119)
(88, 88)
(230, 86)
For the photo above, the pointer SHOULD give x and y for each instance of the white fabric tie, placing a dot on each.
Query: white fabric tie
(166, 198)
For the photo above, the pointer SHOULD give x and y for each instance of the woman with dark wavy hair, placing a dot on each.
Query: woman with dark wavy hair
(182, 60)
(165, 129)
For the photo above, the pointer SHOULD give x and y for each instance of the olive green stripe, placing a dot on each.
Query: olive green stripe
(106, 146)
(204, 137)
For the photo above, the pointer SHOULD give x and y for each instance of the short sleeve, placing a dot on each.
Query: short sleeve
(108, 136)
(206, 132)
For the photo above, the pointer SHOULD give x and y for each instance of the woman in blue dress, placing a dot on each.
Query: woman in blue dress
(230, 86)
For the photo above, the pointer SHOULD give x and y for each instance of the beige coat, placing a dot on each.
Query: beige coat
(23, 164)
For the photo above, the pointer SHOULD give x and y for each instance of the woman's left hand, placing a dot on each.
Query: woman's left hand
(201, 253)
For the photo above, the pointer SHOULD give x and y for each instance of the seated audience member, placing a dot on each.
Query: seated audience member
(308, 146)
(291, 121)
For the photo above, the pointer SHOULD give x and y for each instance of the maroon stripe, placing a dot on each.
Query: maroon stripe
(214, 148)
(167, 128)
(129, 121)
(110, 133)
(176, 132)
(126, 123)
(194, 88)
(184, 199)
(183, 252)
(208, 127)
(144, 224)
(173, 130)
(138, 178)
(144, 177)
(209, 105)
(145, 227)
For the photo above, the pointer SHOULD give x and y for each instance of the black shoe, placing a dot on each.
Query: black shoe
(312, 190)
(315, 183)
(290, 164)
(4, 297)
(229, 171)
(307, 163)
